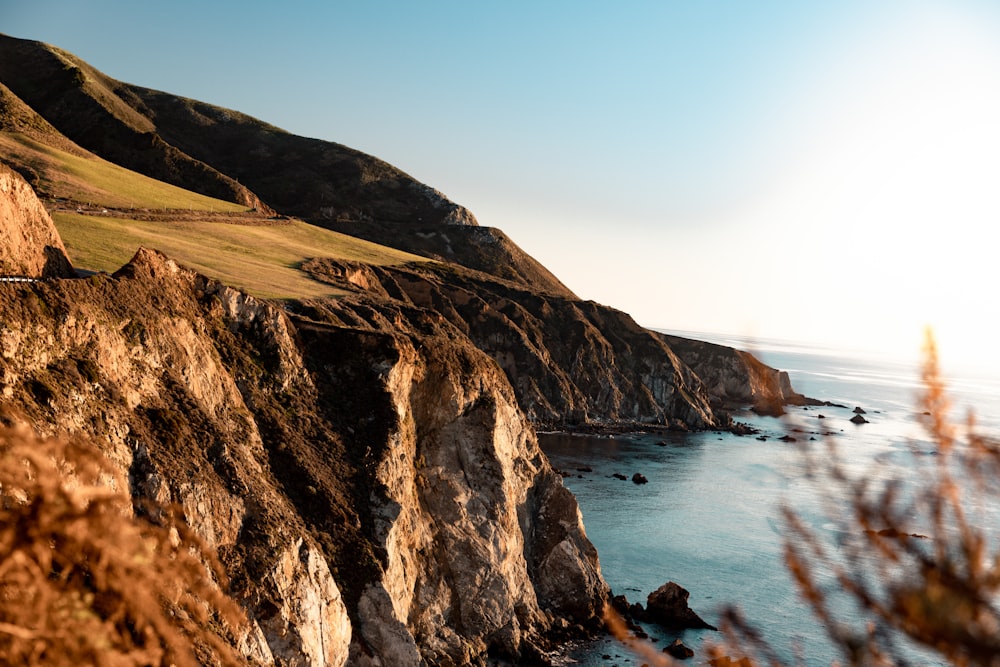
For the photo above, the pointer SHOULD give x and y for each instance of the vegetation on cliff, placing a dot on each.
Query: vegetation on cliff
(86, 582)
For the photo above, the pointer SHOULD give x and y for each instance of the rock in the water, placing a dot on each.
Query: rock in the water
(668, 606)
(859, 411)
(639, 478)
(620, 476)
(858, 419)
(678, 650)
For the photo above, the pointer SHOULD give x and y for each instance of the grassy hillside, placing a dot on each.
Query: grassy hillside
(89, 179)
(50, 96)
(98, 114)
(261, 259)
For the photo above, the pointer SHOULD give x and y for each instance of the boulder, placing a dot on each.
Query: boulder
(859, 411)
(639, 478)
(678, 650)
(668, 606)
(858, 419)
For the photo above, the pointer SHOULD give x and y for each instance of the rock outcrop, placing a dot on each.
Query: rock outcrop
(570, 361)
(735, 378)
(372, 494)
(29, 243)
(668, 606)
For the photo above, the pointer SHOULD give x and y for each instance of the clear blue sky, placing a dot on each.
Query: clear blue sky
(820, 171)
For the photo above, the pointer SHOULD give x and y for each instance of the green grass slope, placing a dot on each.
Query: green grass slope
(87, 179)
(220, 153)
(263, 260)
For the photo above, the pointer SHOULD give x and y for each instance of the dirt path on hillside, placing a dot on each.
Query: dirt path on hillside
(254, 218)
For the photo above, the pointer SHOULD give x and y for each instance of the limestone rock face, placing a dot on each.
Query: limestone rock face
(311, 627)
(459, 503)
(29, 243)
(134, 362)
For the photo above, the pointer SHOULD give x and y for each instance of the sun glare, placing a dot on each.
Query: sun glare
(892, 203)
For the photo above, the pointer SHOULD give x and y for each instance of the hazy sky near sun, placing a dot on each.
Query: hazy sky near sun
(824, 171)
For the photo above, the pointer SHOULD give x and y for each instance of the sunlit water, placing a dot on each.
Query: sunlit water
(709, 518)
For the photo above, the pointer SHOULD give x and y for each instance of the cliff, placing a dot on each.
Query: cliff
(737, 378)
(569, 361)
(29, 243)
(373, 495)
(365, 467)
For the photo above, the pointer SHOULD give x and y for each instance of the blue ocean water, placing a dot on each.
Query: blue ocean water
(709, 518)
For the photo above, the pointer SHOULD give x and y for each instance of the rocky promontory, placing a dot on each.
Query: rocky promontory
(377, 497)
(572, 363)
(365, 466)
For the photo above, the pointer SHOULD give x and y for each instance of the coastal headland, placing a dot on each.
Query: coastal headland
(355, 435)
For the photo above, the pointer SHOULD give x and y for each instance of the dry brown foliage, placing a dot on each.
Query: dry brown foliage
(84, 582)
(619, 630)
(924, 567)
(921, 568)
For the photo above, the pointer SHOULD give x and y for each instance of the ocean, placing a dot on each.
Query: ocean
(709, 517)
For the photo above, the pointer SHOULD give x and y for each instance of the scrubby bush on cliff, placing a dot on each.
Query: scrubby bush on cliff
(924, 567)
(84, 582)
(918, 576)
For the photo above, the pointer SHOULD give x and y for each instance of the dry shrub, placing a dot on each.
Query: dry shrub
(82, 581)
(921, 565)
(647, 651)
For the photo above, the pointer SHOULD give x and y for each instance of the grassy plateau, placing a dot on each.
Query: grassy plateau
(261, 259)
(105, 212)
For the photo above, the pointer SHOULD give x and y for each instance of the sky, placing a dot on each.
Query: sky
(824, 172)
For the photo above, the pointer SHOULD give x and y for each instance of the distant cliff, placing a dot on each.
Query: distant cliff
(377, 497)
(735, 378)
(571, 362)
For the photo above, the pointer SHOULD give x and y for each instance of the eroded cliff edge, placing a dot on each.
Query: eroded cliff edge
(365, 468)
(571, 363)
(377, 497)
(374, 493)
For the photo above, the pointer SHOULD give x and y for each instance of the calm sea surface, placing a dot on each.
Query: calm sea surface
(709, 517)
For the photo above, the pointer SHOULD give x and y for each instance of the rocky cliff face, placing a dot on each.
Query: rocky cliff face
(569, 361)
(735, 377)
(376, 497)
(29, 243)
